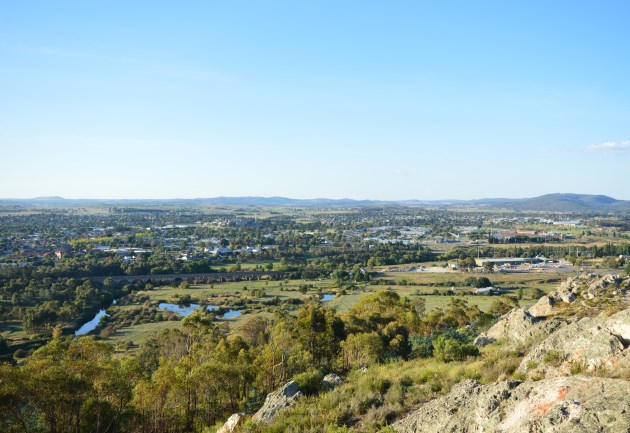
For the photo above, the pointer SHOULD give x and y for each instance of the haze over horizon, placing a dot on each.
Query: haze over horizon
(373, 101)
(258, 198)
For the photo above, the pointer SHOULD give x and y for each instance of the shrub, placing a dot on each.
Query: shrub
(553, 357)
(449, 349)
(421, 347)
(426, 375)
(577, 366)
(537, 293)
(309, 382)
(406, 381)
(362, 349)
(600, 370)
(339, 429)
(502, 305)
(531, 364)
(500, 365)
(519, 376)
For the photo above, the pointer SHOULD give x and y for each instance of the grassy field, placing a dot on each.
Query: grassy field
(421, 284)
(139, 333)
(542, 280)
(201, 292)
(15, 334)
(13, 330)
(215, 294)
(341, 304)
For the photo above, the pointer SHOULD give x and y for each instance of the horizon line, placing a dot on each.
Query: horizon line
(54, 197)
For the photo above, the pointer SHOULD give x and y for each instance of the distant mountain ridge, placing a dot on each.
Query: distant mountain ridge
(569, 202)
(557, 202)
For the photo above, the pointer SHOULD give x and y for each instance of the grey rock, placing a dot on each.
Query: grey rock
(514, 326)
(619, 325)
(482, 341)
(568, 289)
(278, 401)
(233, 421)
(561, 405)
(542, 308)
(580, 288)
(591, 342)
(519, 326)
(331, 381)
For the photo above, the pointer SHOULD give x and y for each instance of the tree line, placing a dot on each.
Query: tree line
(193, 378)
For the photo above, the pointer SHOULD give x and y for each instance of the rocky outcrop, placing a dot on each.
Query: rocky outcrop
(286, 397)
(514, 325)
(619, 325)
(608, 284)
(518, 326)
(564, 390)
(542, 308)
(277, 401)
(231, 424)
(586, 344)
(565, 404)
(330, 381)
(579, 289)
(567, 291)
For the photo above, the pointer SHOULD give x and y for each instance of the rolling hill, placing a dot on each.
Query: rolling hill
(559, 202)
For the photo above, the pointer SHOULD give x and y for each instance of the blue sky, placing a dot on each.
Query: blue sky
(360, 99)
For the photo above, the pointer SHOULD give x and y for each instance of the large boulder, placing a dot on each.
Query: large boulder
(231, 424)
(278, 401)
(518, 326)
(560, 405)
(331, 380)
(619, 325)
(542, 308)
(514, 326)
(586, 344)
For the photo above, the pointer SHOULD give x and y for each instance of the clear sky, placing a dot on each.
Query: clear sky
(304, 99)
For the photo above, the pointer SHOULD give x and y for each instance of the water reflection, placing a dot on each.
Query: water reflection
(92, 324)
(185, 310)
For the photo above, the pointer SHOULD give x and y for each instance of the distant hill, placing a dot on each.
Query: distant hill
(547, 203)
(568, 202)
(284, 201)
(49, 198)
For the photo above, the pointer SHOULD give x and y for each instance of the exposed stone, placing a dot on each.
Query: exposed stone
(591, 342)
(542, 308)
(331, 381)
(518, 326)
(607, 284)
(567, 290)
(513, 326)
(482, 341)
(566, 404)
(231, 424)
(619, 325)
(564, 397)
(584, 287)
(277, 401)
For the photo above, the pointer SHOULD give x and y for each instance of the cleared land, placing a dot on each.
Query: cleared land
(420, 284)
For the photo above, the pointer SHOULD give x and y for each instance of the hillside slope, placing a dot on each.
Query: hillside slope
(575, 378)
